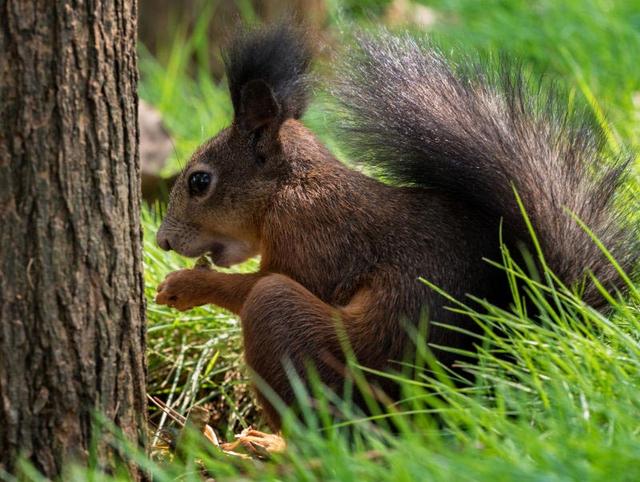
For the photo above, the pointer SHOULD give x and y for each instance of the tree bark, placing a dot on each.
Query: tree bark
(71, 288)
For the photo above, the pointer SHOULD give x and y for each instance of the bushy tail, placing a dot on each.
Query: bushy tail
(480, 135)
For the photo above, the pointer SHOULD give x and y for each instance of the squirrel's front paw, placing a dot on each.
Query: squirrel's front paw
(182, 289)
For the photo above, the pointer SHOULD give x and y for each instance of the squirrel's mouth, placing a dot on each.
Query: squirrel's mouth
(229, 252)
(216, 254)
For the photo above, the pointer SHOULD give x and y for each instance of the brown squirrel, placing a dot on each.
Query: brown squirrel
(339, 247)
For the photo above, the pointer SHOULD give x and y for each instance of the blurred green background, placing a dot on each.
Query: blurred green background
(589, 45)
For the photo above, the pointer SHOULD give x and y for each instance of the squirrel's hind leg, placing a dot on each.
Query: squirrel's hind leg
(284, 323)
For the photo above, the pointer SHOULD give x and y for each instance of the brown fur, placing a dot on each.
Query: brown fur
(335, 245)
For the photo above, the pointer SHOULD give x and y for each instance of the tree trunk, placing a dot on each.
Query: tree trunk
(71, 288)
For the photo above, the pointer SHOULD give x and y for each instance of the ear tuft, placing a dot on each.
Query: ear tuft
(258, 106)
(274, 59)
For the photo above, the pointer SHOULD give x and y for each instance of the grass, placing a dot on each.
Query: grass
(564, 406)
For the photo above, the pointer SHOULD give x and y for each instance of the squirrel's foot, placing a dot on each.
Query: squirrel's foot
(256, 443)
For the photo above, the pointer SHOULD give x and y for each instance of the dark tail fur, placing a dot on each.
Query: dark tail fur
(479, 135)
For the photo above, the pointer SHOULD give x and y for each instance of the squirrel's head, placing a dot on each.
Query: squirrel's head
(218, 202)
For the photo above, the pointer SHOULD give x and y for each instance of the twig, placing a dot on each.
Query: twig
(168, 411)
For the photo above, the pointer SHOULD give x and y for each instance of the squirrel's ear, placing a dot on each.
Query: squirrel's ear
(258, 106)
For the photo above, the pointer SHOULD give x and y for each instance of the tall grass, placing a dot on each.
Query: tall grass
(556, 397)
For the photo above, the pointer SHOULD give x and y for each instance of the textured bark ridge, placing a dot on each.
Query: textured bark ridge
(71, 287)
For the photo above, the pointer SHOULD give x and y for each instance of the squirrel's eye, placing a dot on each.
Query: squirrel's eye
(199, 182)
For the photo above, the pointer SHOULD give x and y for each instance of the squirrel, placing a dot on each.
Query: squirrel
(465, 152)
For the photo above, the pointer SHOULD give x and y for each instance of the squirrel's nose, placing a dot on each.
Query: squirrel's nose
(163, 240)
